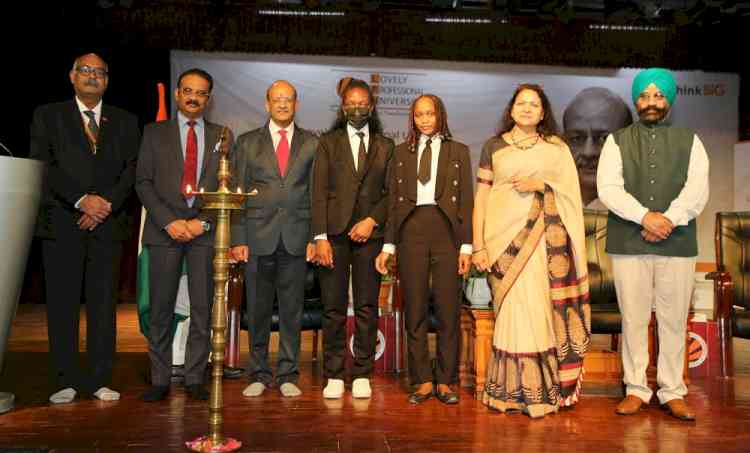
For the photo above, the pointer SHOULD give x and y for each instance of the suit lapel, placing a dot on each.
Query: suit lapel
(268, 152)
(211, 137)
(443, 163)
(372, 151)
(346, 148)
(175, 146)
(294, 149)
(74, 123)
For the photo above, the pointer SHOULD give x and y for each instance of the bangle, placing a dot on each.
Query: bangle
(477, 251)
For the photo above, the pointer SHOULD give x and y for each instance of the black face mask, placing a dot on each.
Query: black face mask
(357, 116)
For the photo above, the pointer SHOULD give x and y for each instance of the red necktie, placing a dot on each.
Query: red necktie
(282, 152)
(191, 162)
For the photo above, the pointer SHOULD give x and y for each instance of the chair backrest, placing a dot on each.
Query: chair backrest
(733, 252)
(601, 281)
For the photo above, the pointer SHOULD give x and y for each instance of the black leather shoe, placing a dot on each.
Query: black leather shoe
(155, 393)
(178, 374)
(233, 373)
(447, 397)
(197, 391)
(418, 398)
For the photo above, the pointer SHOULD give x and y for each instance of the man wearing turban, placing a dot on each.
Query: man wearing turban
(653, 178)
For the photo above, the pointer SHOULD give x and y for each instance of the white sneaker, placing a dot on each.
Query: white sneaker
(107, 394)
(254, 389)
(361, 388)
(64, 396)
(334, 389)
(289, 389)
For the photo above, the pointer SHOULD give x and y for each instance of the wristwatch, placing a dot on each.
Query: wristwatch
(206, 226)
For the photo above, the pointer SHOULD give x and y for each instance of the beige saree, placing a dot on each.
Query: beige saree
(539, 279)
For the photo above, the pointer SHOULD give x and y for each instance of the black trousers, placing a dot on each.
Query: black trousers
(165, 271)
(427, 253)
(80, 262)
(334, 285)
(277, 276)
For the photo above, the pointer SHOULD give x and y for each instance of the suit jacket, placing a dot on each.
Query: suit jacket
(454, 191)
(338, 189)
(281, 208)
(58, 138)
(159, 178)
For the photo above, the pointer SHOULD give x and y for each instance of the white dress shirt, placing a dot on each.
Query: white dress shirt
(276, 137)
(354, 141)
(98, 118)
(688, 204)
(426, 192)
(200, 134)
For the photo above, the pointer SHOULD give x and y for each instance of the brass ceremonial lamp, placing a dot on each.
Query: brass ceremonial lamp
(223, 201)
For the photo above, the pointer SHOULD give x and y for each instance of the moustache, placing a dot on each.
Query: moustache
(193, 103)
(92, 83)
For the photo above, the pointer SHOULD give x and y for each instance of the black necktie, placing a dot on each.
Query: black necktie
(425, 162)
(361, 154)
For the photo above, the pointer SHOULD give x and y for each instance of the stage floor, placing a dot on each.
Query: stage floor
(385, 423)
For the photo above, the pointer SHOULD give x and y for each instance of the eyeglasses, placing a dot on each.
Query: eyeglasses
(200, 93)
(89, 71)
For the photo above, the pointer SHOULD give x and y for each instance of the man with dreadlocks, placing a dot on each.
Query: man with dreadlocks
(429, 220)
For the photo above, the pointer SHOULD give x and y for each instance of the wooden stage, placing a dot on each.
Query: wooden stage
(385, 423)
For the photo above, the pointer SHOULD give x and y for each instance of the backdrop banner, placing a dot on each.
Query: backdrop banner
(591, 101)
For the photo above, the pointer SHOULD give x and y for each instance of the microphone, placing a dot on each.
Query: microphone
(6, 149)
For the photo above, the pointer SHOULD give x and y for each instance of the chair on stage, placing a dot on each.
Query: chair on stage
(312, 314)
(605, 314)
(731, 282)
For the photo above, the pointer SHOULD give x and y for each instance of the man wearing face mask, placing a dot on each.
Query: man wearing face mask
(591, 116)
(349, 209)
(177, 158)
(90, 149)
(653, 177)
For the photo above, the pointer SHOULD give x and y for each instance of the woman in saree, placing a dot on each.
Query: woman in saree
(529, 235)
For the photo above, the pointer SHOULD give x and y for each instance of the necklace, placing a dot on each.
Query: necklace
(519, 144)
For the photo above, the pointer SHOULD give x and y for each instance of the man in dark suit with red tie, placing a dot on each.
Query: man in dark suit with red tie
(177, 158)
(349, 213)
(90, 149)
(275, 162)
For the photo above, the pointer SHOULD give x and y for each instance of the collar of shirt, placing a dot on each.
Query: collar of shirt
(354, 138)
(276, 137)
(436, 139)
(97, 110)
(182, 121)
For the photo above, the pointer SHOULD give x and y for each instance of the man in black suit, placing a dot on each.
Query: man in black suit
(349, 213)
(431, 198)
(90, 149)
(275, 161)
(177, 158)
